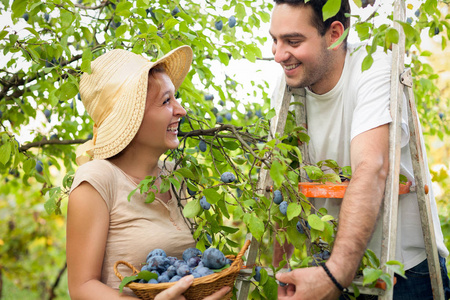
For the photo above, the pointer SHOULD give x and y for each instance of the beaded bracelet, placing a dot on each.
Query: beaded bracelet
(337, 284)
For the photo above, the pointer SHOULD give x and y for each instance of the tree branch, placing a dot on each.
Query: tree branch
(44, 142)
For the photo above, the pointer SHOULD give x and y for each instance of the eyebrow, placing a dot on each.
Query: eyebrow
(289, 35)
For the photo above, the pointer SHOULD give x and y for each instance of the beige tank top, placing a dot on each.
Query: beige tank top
(136, 227)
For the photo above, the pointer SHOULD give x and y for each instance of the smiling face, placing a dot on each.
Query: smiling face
(159, 127)
(299, 48)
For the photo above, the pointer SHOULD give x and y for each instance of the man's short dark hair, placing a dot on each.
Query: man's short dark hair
(317, 20)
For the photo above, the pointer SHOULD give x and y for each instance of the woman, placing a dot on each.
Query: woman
(131, 100)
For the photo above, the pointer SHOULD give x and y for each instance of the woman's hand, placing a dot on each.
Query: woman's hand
(175, 292)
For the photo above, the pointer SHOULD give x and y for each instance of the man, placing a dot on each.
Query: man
(348, 121)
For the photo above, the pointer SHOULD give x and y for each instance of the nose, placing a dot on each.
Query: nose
(280, 52)
(178, 109)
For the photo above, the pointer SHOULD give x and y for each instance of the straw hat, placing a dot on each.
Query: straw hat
(115, 93)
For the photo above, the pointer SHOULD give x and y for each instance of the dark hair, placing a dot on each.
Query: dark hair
(317, 20)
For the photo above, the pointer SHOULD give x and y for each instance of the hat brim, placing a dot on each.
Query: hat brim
(120, 127)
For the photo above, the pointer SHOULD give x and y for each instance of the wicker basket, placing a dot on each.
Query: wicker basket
(200, 288)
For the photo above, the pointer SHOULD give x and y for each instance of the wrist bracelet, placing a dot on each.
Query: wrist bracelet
(337, 284)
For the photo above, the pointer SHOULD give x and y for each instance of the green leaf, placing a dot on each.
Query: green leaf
(230, 145)
(367, 62)
(50, 206)
(170, 23)
(18, 8)
(256, 226)
(175, 183)
(270, 288)
(5, 153)
(131, 194)
(87, 34)
(146, 275)
(373, 259)
(28, 165)
(150, 197)
(371, 275)
(397, 267)
(276, 172)
(240, 11)
(68, 90)
(315, 222)
(271, 113)
(293, 210)
(192, 209)
(121, 30)
(165, 186)
(314, 173)
(86, 61)
(340, 40)
(212, 195)
(330, 9)
(185, 173)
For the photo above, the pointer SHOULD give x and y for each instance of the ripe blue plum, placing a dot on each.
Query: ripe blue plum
(163, 278)
(277, 197)
(191, 252)
(171, 271)
(300, 227)
(202, 271)
(202, 146)
(218, 25)
(204, 203)
(183, 270)
(175, 278)
(175, 11)
(214, 258)
(283, 207)
(156, 252)
(193, 261)
(257, 275)
(227, 177)
(231, 21)
(191, 192)
(158, 263)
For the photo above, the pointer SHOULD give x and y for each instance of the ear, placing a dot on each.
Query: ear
(334, 33)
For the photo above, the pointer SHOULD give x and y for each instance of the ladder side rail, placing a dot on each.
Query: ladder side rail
(390, 203)
(422, 195)
(278, 123)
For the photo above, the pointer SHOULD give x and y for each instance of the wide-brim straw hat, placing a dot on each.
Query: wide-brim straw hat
(115, 93)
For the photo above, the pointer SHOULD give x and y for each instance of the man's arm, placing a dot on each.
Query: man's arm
(362, 201)
(357, 220)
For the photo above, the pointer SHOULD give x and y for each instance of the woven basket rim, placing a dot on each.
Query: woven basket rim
(235, 267)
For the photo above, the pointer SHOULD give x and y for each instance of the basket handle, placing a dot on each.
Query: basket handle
(241, 253)
(121, 262)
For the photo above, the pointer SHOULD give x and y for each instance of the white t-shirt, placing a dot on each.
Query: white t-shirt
(360, 102)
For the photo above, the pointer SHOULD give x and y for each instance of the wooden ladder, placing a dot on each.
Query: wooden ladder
(401, 85)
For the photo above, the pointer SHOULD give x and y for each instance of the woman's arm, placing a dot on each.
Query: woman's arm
(87, 231)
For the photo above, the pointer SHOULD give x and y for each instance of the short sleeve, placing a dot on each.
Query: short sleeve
(99, 174)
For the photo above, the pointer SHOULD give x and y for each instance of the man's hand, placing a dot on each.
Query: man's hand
(307, 283)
